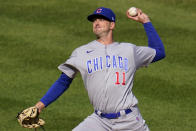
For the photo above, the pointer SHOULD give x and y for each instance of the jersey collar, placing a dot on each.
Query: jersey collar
(97, 43)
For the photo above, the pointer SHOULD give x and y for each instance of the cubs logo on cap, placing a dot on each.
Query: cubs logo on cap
(99, 10)
(106, 13)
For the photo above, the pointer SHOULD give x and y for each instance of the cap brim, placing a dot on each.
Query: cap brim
(93, 16)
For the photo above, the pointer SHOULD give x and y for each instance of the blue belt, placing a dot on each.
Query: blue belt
(113, 115)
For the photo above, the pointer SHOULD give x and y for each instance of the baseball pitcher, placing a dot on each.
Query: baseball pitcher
(107, 68)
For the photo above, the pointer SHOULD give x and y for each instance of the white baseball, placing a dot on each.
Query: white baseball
(132, 11)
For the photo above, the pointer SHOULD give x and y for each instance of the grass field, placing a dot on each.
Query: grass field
(37, 36)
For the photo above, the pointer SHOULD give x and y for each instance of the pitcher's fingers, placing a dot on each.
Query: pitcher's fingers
(139, 11)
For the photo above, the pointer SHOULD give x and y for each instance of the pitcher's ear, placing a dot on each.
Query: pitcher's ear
(112, 25)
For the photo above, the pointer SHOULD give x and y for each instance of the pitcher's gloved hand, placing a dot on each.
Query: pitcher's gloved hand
(29, 118)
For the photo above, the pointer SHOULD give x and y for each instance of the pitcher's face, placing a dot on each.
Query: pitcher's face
(102, 27)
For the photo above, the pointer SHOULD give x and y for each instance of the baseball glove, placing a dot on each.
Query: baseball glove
(29, 118)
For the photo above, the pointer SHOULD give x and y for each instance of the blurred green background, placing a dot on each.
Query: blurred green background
(37, 36)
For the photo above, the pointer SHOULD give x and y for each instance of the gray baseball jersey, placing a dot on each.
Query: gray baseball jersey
(108, 72)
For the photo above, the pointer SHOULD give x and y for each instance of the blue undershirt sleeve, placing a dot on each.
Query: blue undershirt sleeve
(56, 90)
(154, 41)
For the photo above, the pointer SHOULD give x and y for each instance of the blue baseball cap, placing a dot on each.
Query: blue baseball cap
(106, 13)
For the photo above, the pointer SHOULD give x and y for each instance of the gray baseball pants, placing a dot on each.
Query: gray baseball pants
(129, 122)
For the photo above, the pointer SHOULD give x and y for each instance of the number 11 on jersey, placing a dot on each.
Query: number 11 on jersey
(117, 78)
